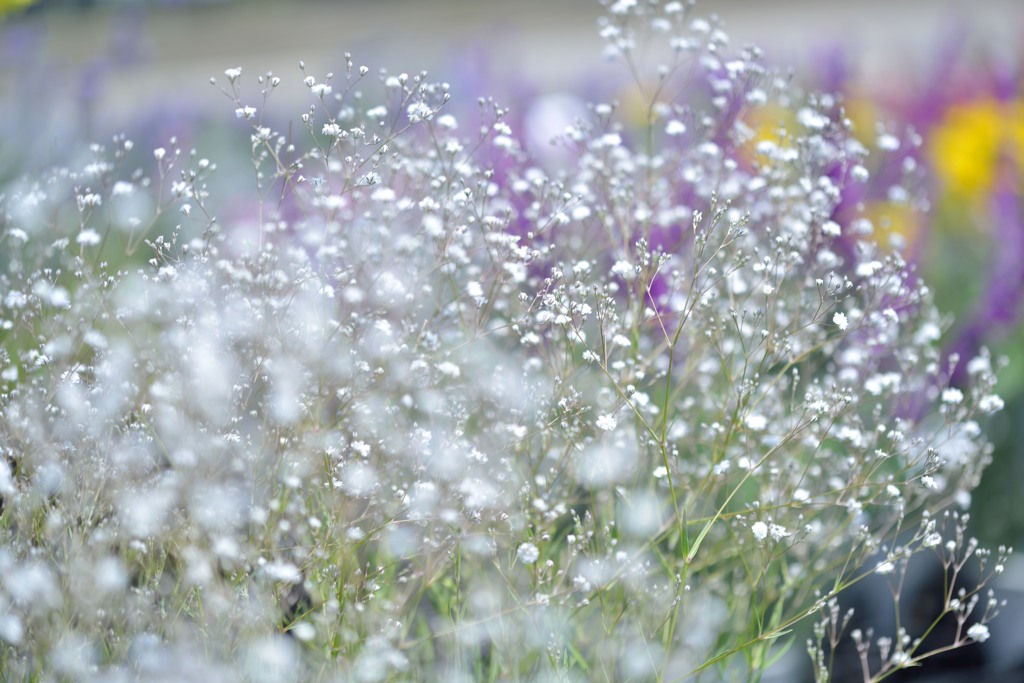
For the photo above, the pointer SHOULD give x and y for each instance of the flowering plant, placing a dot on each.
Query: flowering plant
(433, 410)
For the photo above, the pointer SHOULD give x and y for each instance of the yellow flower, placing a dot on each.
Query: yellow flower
(972, 141)
(8, 6)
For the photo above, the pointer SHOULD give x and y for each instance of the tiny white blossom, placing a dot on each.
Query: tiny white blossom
(121, 187)
(899, 658)
(952, 396)
(625, 270)
(760, 530)
(841, 321)
(449, 369)
(527, 553)
(320, 89)
(831, 228)
(978, 633)
(88, 237)
(990, 403)
(285, 572)
(621, 340)
(756, 422)
(606, 422)
(418, 111)
(979, 365)
(888, 143)
(675, 127)
(303, 631)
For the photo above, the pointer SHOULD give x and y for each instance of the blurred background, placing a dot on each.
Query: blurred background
(73, 71)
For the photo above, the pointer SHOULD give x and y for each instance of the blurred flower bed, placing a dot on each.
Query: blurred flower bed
(966, 108)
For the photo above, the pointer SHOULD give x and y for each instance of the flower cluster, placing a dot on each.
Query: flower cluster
(433, 409)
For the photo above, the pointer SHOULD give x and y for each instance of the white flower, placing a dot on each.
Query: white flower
(247, 113)
(418, 111)
(606, 422)
(840, 320)
(990, 403)
(978, 633)
(899, 658)
(978, 365)
(760, 530)
(303, 631)
(621, 340)
(88, 237)
(449, 369)
(952, 396)
(888, 143)
(831, 228)
(527, 553)
(885, 567)
(675, 127)
(756, 422)
(121, 187)
(625, 270)
(285, 572)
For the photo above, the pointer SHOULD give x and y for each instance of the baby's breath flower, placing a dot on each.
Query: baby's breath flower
(952, 396)
(425, 340)
(885, 567)
(527, 553)
(990, 403)
(756, 422)
(88, 237)
(675, 127)
(978, 633)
